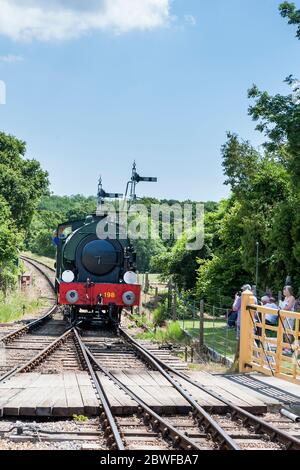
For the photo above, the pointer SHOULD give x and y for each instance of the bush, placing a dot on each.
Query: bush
(171, 334)
(141, 321)
(174, 332)
(160, 314)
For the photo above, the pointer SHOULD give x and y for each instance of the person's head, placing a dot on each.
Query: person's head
(246, 287)
(272, 300)
(265, 300)
(288, 291)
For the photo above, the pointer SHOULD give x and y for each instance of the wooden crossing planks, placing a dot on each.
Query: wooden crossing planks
(73, 395)
(6, 396)
(26, 399)
(48, 395)
(230, 391)
(88, 395)
(20, 381)
(134, 386)
(159, 388)
(69, 393)
(118, 399)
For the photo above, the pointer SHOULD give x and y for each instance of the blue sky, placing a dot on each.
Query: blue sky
(91, 93)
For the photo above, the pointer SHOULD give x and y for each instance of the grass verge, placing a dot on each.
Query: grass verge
(16, 305)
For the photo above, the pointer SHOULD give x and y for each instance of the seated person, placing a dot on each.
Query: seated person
(269, 302)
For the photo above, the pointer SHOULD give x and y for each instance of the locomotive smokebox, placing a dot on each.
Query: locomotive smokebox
(99, 257)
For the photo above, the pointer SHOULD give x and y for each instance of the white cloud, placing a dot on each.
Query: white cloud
(10, 58)
(64, 19)
(190, 19)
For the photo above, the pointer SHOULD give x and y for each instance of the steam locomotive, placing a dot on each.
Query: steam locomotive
(96, 277)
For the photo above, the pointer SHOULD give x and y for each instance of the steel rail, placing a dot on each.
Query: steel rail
(158, 423)
(201, 415)
(248, 418)
(102, 395)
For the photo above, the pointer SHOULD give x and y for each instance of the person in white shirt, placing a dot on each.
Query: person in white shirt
(289, 323)
(268, 302)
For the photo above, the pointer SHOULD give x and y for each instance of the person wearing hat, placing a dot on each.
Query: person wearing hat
(237, 307)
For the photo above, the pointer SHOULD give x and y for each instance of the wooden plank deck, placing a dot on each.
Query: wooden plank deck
(69, 393)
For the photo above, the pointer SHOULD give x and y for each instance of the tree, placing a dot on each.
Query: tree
(180, 263)
(240, 162)
(288, 10)
(22, 181)
(10, 241)
(278, 116)
(147, 250)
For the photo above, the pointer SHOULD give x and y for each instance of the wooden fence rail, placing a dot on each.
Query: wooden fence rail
(270, 349)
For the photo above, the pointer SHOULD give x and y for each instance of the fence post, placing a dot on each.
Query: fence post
(170, 297)
(147, 285)
(214, 329)
(156, 297)
(201, 325)
(279, 348)
(174, 306)
(246, 332)
(194, 311)
(227, 331)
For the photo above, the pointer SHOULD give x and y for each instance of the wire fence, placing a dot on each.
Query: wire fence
(223, 337)
(212, 326)
(217, 335)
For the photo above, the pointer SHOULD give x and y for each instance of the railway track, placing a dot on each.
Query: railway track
(44, 343)
(238, 430)
(27, 344)
(244, 426)
(165, 434)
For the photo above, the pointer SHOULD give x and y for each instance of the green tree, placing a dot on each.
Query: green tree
(240, 162)
(146, 250)
(180, 263)
(10, 241)
(288, 10)
(22, 183)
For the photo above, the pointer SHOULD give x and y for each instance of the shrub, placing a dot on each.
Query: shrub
(160, 314)
(175, 333)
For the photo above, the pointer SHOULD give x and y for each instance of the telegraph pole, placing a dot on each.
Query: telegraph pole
(257, 262)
